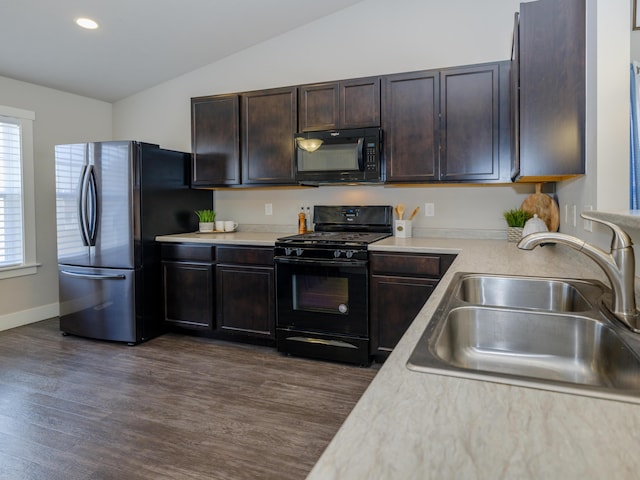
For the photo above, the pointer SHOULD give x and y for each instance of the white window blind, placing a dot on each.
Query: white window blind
(11, 225)
(17, 193)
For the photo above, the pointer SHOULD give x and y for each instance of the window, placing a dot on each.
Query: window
(17, 208)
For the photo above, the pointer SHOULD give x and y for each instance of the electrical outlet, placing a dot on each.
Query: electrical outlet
(268, 208)
(588, 224)
(429, 209)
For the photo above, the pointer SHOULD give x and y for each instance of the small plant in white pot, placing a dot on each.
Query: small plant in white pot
(516, 218)
(206, 219)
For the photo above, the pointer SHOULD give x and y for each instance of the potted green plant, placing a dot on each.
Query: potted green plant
(516, 218)
(206, 219)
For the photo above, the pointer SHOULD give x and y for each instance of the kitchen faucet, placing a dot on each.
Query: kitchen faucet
(618, 265)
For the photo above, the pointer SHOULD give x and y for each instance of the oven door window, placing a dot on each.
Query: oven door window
(313, 293)
(321, 297)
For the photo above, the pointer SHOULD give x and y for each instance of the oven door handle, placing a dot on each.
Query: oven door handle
(321, 263)
(322, 341)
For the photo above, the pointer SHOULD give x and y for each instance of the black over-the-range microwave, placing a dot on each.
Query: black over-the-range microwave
(339, 156)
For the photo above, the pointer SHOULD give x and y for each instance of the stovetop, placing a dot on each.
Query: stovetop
(341, 233)
(338, 226)
(334, 238)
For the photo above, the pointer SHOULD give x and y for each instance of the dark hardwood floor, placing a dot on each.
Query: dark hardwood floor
(176, 407)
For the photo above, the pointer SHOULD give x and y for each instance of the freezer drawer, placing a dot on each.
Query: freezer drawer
(98, 303)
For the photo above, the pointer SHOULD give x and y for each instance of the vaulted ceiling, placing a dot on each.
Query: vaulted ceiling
(140, 43)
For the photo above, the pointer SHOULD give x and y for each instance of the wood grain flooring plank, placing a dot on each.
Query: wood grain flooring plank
(175, 407)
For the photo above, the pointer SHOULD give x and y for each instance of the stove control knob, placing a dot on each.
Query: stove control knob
(337, 253)
(350, 253)
(288, 251)
(299, 251)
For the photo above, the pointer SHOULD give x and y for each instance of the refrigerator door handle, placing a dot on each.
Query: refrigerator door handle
(94, 210)
(82, 208)
(88, 206)
(93, 276)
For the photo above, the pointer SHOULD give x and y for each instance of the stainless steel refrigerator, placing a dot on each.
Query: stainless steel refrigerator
(112, 199)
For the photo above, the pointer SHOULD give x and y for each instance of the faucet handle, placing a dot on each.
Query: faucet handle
(620, 238)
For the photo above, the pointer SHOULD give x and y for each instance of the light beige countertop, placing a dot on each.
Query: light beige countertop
(267, 239)
(412, 425)
(626, 219)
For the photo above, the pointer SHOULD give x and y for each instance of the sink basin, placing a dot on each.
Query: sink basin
(522, 292)
(535, 345)
(557, 338)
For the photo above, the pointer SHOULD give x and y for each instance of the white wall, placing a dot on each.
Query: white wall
(606, 185)
(387, 37)
(60, 118)
(635, 37)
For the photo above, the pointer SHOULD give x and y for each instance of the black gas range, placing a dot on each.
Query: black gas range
(322, 283)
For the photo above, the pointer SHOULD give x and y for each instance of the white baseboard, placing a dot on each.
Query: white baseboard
(33, 315)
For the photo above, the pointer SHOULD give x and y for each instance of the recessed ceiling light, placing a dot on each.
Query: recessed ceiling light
(87, 23)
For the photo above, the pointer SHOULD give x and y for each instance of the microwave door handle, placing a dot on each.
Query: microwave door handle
(360, 149)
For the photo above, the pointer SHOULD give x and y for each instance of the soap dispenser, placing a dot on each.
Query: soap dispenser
(534, 225)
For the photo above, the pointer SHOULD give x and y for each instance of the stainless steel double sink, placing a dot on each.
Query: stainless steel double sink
(546, 333)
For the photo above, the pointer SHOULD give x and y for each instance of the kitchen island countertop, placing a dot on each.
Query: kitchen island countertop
(414, 425)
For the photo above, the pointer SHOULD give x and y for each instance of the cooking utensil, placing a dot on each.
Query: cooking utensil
(413, 214)
(543, 205)
(400, 211)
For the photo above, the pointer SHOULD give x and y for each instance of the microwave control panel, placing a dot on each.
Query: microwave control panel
(371, 161)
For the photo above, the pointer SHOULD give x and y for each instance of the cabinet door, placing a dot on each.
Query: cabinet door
(246, 300)
(552, 89)
(215, 140)
(395, 303)
(319, 107)
(188, 294)
(346, 104)
(470, 123)
(360, 103)
(411, 126)
(269, 121)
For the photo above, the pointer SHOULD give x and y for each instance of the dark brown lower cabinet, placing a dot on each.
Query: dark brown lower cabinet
(399, 286)
(188, 281)
(245, 292)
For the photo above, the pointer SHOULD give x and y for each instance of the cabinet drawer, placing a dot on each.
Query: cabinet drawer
(419, 265)
(246, 255)
(188, 252)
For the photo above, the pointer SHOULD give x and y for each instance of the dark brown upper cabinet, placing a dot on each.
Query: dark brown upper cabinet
(549, 90)
(449, 125)
(411, 126)
(351, 103)
(215, 140)
(268, 124)
(470, 123)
